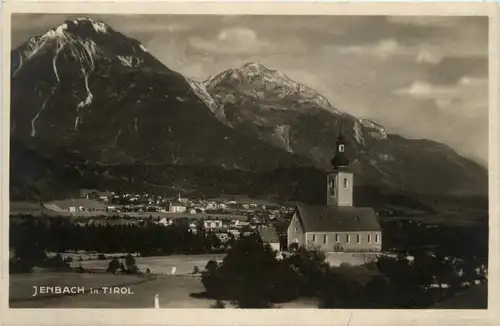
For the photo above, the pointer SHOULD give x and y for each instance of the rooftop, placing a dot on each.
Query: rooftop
(338, 219)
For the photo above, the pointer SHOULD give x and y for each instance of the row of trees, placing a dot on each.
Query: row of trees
(59, 235)
(23, 261)
(250, 276)
(457, 241)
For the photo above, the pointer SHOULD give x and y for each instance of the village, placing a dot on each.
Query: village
(224, 218)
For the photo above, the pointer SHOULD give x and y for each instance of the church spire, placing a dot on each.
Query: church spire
(340, 159)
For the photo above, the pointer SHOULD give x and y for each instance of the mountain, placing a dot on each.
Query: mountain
(87, 89)
(269, 106)
(92, 108)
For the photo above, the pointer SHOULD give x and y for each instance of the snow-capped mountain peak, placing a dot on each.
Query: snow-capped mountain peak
(260, 82)
(98, 26)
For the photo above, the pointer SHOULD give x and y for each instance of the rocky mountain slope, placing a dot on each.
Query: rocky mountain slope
(269, 106)
(93, 106)
(90, 90)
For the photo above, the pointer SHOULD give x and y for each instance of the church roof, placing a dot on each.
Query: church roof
(340, 159)
(338, 219)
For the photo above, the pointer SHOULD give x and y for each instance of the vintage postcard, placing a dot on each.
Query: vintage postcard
(306, 160)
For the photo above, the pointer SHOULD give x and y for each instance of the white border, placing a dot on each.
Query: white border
(253, 317)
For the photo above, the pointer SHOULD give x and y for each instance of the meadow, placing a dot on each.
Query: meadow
(184, 264)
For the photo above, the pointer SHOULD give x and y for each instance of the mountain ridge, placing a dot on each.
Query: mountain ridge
(110, 101)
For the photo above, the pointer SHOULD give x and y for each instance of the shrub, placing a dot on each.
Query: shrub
(113, 266)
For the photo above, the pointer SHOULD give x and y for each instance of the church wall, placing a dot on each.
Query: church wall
(367, 241)
(342, 195)
(345, 191)
(295, 234)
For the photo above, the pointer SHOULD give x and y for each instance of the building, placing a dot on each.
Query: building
(212, 224)
(268, 235)
(338, 225)
(177, 207)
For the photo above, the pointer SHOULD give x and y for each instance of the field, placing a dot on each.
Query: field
(243, 199)
(25, 208)
(158, 265)
(185, 264)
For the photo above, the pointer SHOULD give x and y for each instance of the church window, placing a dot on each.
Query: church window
(314, 237)
(296, 230)
(377, 238)
(369, 238)
(358, 238)
(345, 183)
(341, 148)
(325, 239)
(332, 186)
(347, 238)
(337, 238)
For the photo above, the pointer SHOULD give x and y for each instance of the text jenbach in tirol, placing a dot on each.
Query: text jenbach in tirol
(78, 290)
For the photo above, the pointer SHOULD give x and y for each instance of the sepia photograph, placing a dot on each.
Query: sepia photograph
(227, 161)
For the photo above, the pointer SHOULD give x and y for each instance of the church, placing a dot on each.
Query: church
(338, 226)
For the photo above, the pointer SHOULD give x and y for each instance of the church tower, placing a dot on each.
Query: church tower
(340, 179)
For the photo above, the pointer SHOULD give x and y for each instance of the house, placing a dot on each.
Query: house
(338, 225)
(165, 222)
(193, 227)
(111, 208)
(177, 207)
(212, 224)
(241, 224)
(268, 235)
(182, 200)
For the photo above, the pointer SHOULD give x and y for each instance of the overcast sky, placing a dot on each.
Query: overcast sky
(419, 77)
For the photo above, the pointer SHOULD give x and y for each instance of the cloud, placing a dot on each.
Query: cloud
(426, 56)
(461, 100)
(425, 21)
(449, 70)
(383, 48)
(389, 48)
(233, 41)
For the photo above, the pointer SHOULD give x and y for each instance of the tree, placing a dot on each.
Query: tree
(379, 293)
(310, 266)
(131, 265)
(113, 266)
(249, 275)
(211, 279)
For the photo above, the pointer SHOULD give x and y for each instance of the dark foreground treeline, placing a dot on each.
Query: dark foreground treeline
(467, 242)
(62, 235)
(250, 276)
